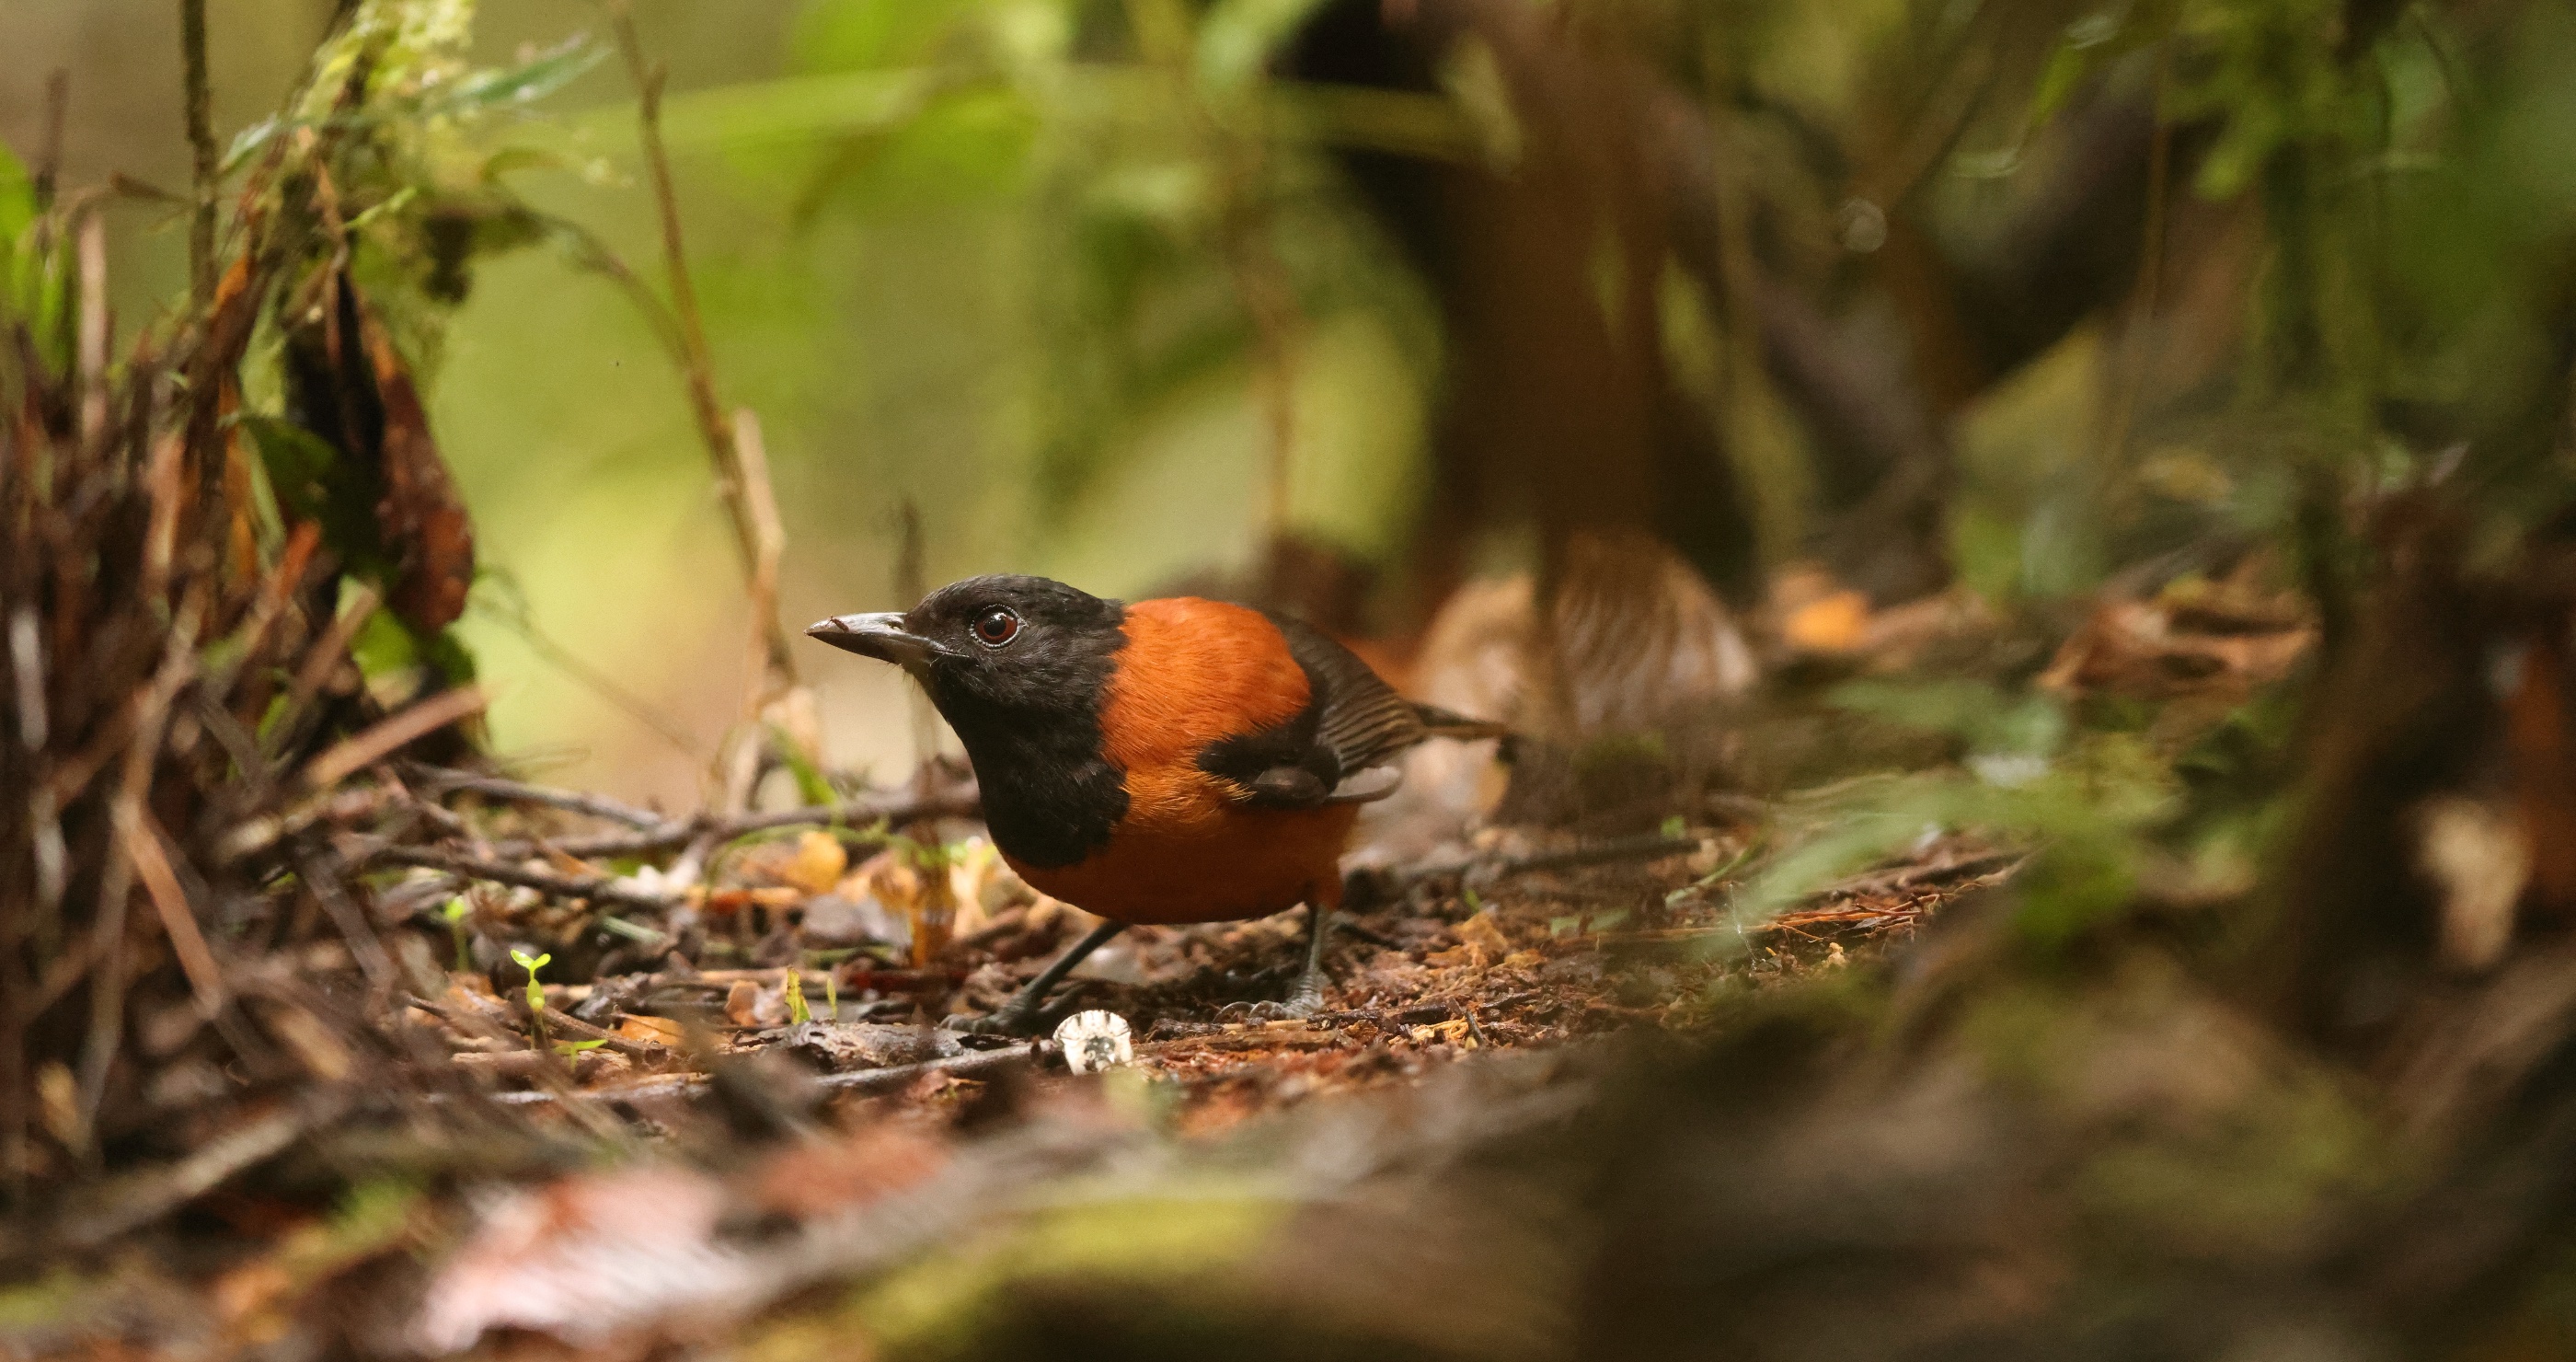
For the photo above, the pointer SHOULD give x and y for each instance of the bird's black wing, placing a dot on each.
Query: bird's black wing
(1359, 717)
(1341, 748)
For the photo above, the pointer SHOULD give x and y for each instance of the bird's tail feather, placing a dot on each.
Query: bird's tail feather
(1441, 723)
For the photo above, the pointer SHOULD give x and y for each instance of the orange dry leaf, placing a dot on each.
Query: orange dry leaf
(818, 864)
(1837, 623)
(652, 1030)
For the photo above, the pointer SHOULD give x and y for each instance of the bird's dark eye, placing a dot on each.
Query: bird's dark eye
(996, 627)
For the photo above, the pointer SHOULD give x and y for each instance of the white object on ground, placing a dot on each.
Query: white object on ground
(1095, 1040)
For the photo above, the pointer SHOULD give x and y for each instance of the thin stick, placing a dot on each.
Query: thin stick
(201, 142)
(556, 1019)
(147, 847)
(626, 702)
(769, 544)
(320, 663)
(961, 802)
(1651, 847)
(697, 365)
(575, 801)
(2135, 340)
(142, 752)
(596, 888)
(49, 152)
(365, 947)
(975, 1064)
(90, 246)
(364, 749)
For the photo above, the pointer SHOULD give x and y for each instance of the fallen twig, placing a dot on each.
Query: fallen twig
(364, 749)
(517, 792)
(142, 1197)
(1483, 870)
(556, 1019)
(596, 888)
(958, 802)
(975, 1064)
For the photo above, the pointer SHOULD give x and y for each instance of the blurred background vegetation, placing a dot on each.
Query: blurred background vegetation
(2010, 292)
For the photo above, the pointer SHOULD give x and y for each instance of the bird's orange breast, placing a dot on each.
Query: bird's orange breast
(1190, 848)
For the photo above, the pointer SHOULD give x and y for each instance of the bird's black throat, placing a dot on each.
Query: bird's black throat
(1030, 722)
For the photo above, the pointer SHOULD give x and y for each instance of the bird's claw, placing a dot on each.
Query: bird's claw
(1008, 1021)
(1303, 1002)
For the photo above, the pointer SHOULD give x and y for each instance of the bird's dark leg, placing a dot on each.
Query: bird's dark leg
(1306, 996)
(1020, 1015)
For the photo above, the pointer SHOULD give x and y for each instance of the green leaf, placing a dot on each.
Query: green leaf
(525, 83)
(311, 482)
(569, 1048)
(248, 141)
(536, 991)
(812, 785)
(786, 109)
(17, 202)
(384, 647)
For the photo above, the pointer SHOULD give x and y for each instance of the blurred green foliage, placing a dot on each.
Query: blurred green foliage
(1065, 274)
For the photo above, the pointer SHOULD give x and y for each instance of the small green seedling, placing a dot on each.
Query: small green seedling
(832, 994)
(456, 911)
(536, 991)
(1475, 902)
(569, 1048)
(797, 1012)
(1675, 828)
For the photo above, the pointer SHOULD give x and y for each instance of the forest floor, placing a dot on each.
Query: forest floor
(472, 1209)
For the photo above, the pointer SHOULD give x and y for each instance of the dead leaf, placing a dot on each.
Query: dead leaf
(818, 863)
(387, 502)
(1839, 623)
(422, 519)
(584, 1258)
(652, 1030)
(1480, 943)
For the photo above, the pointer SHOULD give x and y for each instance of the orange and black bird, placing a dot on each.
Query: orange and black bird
(1178, 760)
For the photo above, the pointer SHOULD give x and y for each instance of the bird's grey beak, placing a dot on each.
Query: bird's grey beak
(881, 636)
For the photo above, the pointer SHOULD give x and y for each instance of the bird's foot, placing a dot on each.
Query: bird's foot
(1010, 1019)
(1307, 998)
(1304, 1000)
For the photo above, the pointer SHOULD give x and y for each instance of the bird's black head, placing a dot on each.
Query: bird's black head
(993, 645)
(1019, 667)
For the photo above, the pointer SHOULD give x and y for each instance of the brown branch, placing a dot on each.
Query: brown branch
(201, 143)
(958, 802)
(49, 152)
(697, 365)
(574, 801)
(1482, 871)
(556, 1019)
(596, 888)
(145, 845)
(381, 739)
(974, 1064)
